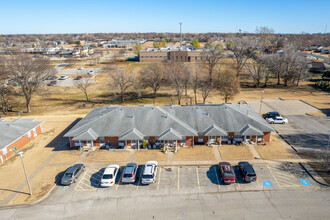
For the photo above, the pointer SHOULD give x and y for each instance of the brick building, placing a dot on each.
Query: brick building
(169, 126)
(17, 134)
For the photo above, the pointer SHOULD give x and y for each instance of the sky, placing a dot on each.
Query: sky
(95, 16)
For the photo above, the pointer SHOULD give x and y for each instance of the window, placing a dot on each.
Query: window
(76, 144)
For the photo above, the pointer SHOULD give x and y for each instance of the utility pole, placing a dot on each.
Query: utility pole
(180, 34)
(262, 96)
(26, 176)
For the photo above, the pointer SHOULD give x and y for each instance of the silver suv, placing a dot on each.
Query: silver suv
(129, 174)
(149, 172)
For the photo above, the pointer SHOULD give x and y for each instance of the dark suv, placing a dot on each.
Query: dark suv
(247, 171)
(271, 115)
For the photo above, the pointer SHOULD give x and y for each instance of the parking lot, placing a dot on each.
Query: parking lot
(194, 180)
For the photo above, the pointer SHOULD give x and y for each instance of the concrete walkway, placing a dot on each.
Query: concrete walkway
(216, 153)
(254, 152)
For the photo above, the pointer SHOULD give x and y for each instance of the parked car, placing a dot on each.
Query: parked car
(277, 120)
(247, 171)
(227, 173)
(63, 77)
(129, 174)
(270, 115)
(52, 77)
(149, 172)
(52, 83)
(78, 78)
(109, 175)
(81, 68)
(71, 175)
(91, 72)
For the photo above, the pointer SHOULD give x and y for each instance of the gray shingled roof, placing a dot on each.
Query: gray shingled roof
(10, 131)
(250, 130)
(132, 134)
(214, 130)
(88, 135)
(170, 134)
(151, 120)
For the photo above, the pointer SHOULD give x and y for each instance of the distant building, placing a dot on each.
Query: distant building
(185, 54)
(123, 43)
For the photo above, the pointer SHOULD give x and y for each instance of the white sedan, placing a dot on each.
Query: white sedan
(63, 77)
(109, 175)
(277, 120)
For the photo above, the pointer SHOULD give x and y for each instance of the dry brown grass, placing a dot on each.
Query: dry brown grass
(106, 156)
(233, 152)
(40, 185)
(274, 150)
(147, 155)
(67, 156)
(194, 153)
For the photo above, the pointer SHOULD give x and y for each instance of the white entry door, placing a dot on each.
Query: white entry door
(89, 143)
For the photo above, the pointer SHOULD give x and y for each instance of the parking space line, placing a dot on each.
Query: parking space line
(197, 178)
(273, 175)
(80, 180)
(284, 179)
(178, 178)
(160, 171)
(119, 182)
(215, 170)
(90, 187)
(137, 187)
(258, 182)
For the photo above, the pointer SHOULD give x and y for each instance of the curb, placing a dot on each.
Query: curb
(323, 184)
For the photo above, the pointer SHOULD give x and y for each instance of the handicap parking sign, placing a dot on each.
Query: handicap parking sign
(267, 183)
(305, 182)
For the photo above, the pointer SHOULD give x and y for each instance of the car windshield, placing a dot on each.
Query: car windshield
(251, 175)
(147, 176)
(228, 173)
(68, 174)
(107, 176)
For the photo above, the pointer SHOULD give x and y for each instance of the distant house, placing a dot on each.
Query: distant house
(17, 134)
(171, 125)
(317, 67)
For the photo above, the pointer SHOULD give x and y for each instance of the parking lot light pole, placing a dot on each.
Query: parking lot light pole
(327, 151)
(27, 178)
(262, 96)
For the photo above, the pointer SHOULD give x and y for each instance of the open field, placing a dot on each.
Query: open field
(195, 153)
(147, 155)
(106, 156)
(233, 152)
(40, 185)
(274, 150)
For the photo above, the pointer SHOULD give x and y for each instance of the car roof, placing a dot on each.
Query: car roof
(109, 170)
(148, 169)
(129, 168)
(247, 166)
(226, 166)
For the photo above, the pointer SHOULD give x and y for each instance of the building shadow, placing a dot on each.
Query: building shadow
(60, 143)
(95, 178)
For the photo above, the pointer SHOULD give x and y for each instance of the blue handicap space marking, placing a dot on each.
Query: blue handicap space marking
(65, 187)
(305, 182)
(267, 183)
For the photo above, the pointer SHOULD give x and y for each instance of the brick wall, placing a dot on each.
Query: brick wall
(205, 139)
(230, 135)
(266, 136)
(189, 141)
(152, 140)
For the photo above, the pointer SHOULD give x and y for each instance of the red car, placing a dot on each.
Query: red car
(78, 78)
(227, 173)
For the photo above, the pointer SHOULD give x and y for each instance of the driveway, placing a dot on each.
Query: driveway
(305, 133)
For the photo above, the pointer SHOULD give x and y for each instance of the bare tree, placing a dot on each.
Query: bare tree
(71, 61)
(29, 73)
(257, 70)
(211, 59)
(195, 79)
(227, 85)
(265, 37)
(175, 72)
(6, 92)
(206, 87)
(153, 77)
(243, 50)
(83, 84)
(122, 80)
(301, 71)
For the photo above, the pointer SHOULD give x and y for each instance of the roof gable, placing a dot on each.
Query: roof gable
(88, 135)
(132, 134)
(250, 130)
(170, 134)
(214, 130)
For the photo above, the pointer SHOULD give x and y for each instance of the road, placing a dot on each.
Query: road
(234, 205)
(326, 59)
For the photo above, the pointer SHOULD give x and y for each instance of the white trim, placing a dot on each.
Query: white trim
(1, 159)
